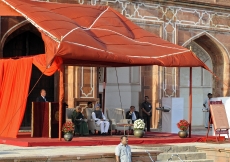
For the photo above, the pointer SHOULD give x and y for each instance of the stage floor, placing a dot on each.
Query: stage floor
(25, 140)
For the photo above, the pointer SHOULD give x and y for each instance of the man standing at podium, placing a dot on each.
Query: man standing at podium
(42, 98)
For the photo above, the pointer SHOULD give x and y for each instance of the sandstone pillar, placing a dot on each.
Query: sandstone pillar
(149, 78)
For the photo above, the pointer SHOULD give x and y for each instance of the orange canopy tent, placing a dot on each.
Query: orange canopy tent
(99, 35)
(87, 35)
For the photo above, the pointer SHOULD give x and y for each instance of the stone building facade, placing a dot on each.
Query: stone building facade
(203, 26)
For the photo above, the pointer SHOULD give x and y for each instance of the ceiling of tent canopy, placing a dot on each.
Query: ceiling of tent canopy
(98, 36)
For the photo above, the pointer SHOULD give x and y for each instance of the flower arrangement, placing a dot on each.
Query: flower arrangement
(68, 127)
(139, 124)
(183, 125)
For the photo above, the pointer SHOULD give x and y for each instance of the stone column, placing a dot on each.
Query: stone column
(69, 85)
(149, 79)
(155, 96)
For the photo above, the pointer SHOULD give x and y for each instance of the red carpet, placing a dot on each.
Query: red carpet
(25, 140)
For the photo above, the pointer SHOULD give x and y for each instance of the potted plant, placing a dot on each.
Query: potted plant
(68, 129)
(183, 126)
(139, 127)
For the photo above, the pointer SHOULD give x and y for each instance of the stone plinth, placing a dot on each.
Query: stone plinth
(106, 157)
(216, 154)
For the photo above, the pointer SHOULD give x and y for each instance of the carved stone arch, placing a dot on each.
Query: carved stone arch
(216, 41)
(220, 59)
(9, 32)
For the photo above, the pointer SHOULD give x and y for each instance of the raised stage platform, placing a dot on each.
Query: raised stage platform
(25, 140)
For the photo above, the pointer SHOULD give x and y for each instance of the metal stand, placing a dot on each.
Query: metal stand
(149, 156)
(161, 109)
(217, 131)
(160, 120)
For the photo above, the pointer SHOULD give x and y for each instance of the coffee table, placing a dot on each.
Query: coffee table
(124, 125)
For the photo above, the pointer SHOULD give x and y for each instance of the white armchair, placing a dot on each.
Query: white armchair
(93, 127)
(69, 113)
(117, 116)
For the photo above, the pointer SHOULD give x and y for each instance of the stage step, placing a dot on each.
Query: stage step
(182, 155)
(175, 149)
(200, 160)
(185, 152)
(188, 153)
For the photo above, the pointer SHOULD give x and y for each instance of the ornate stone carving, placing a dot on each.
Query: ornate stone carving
(87, 82)
(169, 82)
(199, 51)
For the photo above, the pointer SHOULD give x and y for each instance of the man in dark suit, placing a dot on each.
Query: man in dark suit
(42, 98)
(146, 112)
(132, 114)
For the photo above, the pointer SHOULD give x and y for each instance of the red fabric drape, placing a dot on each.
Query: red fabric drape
(1, 73)
(14, 85)
(40, 62)
(7, 11)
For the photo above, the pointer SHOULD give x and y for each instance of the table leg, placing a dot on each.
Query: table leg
(124, 130)
(111, 129)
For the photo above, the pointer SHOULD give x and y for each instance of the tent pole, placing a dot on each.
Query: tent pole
(190, 102)
(61, 96)
(104, 84)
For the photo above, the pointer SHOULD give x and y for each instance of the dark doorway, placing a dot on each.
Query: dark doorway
(24, 42)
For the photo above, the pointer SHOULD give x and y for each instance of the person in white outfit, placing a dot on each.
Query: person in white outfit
(207, 109)
(100, 120)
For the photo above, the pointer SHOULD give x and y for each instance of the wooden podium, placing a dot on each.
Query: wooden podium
(45, 119)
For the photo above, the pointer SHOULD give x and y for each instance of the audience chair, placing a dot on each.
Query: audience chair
(117, 116)
(69, 113)
(93, 127)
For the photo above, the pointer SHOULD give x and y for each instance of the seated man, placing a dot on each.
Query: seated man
(132, 114)
(81, 126)
(100, 119)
